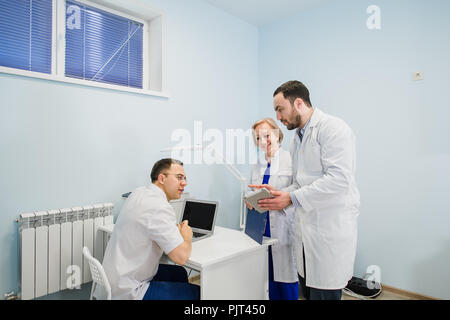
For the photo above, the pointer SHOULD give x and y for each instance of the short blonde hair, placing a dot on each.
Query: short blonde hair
(272, 124)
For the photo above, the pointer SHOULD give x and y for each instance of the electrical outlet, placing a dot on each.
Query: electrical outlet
(418, 75)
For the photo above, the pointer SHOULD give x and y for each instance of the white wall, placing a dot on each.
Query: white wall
(65, 145)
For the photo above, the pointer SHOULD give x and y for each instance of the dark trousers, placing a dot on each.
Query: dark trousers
(171, 283)
(309, 293)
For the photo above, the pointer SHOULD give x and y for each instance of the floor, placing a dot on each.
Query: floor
(386, 293)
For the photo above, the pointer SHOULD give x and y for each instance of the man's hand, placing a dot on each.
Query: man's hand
(185, 230)
(259, 186)
(280, 201)
(180, 255)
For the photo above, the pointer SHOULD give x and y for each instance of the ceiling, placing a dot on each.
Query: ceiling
(261, 12)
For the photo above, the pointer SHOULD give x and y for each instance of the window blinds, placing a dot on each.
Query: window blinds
(26, 35)
(103, 47)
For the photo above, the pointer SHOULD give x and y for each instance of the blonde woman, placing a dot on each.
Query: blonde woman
(275, 168)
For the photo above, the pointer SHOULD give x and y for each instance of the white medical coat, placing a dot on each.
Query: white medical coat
(324, 184)
(281, 224)
(145, 228)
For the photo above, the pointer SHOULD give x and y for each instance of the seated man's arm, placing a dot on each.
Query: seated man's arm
(180, 255)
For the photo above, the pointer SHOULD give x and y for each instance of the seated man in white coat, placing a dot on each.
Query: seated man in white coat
(145, 228)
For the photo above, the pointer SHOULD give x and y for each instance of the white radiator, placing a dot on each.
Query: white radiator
(51, 244)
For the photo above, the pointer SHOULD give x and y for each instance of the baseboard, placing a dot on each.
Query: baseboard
(412, 295)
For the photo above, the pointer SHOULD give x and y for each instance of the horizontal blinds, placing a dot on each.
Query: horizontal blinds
(26, 34)
(103, 47)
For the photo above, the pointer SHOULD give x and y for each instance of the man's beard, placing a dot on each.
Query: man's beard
(295, 124)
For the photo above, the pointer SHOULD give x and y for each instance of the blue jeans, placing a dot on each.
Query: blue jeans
(171, 283)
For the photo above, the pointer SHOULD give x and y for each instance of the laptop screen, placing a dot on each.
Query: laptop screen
(199, 214)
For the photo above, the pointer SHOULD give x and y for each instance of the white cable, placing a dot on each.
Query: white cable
(351, 293)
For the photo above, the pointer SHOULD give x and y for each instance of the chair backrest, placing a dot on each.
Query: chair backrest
(97, 272)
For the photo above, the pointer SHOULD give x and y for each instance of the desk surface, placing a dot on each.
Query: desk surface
(224, 244)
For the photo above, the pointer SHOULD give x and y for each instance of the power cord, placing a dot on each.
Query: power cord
(350, 292)
(358, 296)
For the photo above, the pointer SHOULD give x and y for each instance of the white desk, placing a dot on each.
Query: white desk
(232, 266)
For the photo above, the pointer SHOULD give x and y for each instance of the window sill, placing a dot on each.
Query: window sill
(88, 83)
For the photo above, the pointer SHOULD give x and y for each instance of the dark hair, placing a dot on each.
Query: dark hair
(161, 165)
(292, 90)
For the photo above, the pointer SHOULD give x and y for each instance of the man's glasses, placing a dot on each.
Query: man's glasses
(179, 177)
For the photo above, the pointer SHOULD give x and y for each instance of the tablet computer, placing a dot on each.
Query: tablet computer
(253, 197)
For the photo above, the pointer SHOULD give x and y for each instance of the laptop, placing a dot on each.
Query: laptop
(201, 215)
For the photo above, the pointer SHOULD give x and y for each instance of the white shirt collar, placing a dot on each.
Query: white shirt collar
(158, 190)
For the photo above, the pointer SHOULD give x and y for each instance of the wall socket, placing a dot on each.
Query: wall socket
(418, 75)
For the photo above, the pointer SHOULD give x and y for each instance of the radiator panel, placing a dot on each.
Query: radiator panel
(88, 233)
(54, 260)
(108, 220)
(51, 247)
(66, 252)
(98, 239)
(27, 256)
(77, 247)
(41, 261)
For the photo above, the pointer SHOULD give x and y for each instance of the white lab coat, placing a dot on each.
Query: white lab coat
(145, 228)
(324, 184)
(281, 224)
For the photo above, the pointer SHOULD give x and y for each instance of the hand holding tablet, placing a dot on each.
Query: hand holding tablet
(253, 197)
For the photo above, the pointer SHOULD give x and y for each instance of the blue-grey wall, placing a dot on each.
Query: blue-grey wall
(65, 145)
(403, 149)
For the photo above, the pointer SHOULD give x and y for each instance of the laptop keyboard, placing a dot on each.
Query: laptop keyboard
(197, 234)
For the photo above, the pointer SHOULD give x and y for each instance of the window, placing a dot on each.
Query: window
(101, 46)
(26, 35)
(116, 44)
